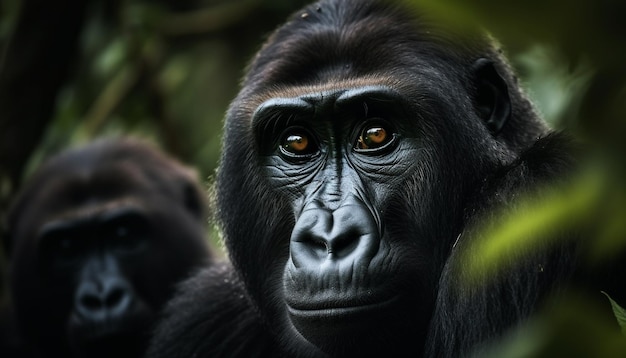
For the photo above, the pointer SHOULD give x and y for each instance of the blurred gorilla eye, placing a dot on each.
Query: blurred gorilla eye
(67, 247)
(127, 242)
(373, 137)
(129, 232)
(122, 231)
(64, 245)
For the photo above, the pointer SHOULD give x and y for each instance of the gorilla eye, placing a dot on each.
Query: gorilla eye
(297, 143)
(128, 233)
(67, 247)
(374, 137)
(129, 239)
(121, 231)
(63, 247)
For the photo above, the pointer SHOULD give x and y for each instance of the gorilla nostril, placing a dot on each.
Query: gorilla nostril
(107, 297)
(344, 245)
(114, 297)
(317, 246)
(320, 246)
(91, 302)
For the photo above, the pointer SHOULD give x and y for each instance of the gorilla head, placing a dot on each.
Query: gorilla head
(98, 238)
(350, 157)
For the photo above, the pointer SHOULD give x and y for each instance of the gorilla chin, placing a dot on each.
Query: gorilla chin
(334, 329)
(110, 336)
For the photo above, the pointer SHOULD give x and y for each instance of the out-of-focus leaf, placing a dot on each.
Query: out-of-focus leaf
(619, 312)
(111, 58)
(110, 97)
(532, 224)
(591, 27)
(555, 84)
(610, 237)
(573, 328)
(9, 10)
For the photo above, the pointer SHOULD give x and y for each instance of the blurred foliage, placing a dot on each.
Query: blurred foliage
(8, 13)
(572, 329)
(163, 74)
(555, 85)
(591, 204)
(533, 223)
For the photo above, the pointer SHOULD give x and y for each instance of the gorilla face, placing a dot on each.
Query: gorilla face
(350, 156)
(101, 234)
(342, 157)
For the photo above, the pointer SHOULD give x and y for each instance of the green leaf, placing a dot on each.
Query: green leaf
(534, 222)
(619, 312)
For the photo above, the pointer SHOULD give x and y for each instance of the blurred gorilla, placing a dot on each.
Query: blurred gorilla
(366, 147)
(98, 238)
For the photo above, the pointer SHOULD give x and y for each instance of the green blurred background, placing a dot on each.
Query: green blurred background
(166, 70)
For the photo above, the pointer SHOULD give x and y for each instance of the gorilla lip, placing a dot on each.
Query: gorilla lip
(338, 310)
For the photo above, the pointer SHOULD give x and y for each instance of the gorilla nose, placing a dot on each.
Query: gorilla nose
(103, 298)
(321, 236)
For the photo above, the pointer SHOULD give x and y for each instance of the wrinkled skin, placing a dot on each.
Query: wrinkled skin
(98, 238)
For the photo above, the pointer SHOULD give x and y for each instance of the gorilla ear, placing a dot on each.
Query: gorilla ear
(492, 95)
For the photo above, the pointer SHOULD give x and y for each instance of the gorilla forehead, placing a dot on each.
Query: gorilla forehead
(346, 39)
(101, 166)
(87, 178)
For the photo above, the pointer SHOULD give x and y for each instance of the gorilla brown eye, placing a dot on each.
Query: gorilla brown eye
(373, 137)
(296, 143)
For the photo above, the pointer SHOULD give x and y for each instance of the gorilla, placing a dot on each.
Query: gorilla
(366, 148)
(98, 238)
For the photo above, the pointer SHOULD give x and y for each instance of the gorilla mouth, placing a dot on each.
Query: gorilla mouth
(122, 338)
(105, 332)
(341, 310)
(113, 345)
(331, 326)
(89, 331)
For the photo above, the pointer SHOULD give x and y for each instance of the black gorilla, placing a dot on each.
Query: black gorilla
(99, 237)
(365, 145)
